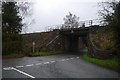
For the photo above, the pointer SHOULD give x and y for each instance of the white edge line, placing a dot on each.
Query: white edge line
(77, 57)
(38, 64)
(62, 60)
(19, 66)
(68, 59)
(46, 62)
(29, 65)
(71, 58)
(7, 68)
(23, 72)
(52, 61)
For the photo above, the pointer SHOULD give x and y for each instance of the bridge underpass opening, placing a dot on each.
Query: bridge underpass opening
(76, 44)
(73, 43)
(74, 40)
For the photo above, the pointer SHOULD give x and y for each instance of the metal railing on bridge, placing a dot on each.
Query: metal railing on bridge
(86, 23)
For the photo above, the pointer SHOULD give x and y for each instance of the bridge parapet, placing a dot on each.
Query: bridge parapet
(79, 31)
(83, 31)
(81, 24)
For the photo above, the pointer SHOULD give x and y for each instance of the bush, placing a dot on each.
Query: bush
(104, 39)
(45, 53)
(12, 44)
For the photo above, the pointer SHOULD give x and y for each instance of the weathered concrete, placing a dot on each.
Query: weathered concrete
(65, 40)
(41, 40)
(64, 66)
(71, 41)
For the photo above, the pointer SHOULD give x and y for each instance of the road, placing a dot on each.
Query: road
(55, 66)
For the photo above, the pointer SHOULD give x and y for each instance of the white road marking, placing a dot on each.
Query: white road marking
(62, 60)
(10, 68)
(38, 63)
(68, 59)
(19, 66)
(29, 65)
(77, 57)
(71, 58)
(7, 68)
(23, 72)
(46, 62)
(52, 61)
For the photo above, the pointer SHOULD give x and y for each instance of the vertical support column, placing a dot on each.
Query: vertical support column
(89, 45)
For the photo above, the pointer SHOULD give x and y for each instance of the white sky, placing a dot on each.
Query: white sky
(51, 12)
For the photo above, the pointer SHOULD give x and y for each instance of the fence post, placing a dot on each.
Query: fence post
(33, 46)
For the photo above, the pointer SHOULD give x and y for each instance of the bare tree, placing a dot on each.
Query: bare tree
(106, 13)
(25, 11)
(110, 15)
(71, 21)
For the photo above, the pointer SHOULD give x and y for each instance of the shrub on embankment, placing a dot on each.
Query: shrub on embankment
(12, 44)
(41, 40)
(40, 48)
(104, 42)
(48, 53)
(103, 39)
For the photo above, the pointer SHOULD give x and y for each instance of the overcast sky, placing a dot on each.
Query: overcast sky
(51, 12)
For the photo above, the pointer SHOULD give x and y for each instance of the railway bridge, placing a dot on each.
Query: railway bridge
(70, 38)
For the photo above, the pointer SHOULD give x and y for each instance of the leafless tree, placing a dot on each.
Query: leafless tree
(71, 21)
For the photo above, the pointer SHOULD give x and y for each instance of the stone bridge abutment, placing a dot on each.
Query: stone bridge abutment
(73, 38)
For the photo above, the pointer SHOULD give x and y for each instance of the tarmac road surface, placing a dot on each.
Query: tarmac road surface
(55, 66)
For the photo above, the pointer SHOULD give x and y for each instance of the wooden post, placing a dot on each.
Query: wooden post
(33, 46)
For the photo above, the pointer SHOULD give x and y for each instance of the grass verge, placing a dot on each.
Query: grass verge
(107, 63)
(45, 53)
(19, 55)
(13, 55)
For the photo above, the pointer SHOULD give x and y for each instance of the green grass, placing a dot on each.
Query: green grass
(13, 55)
(107, 63)
(45, 53)
(18, 55)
